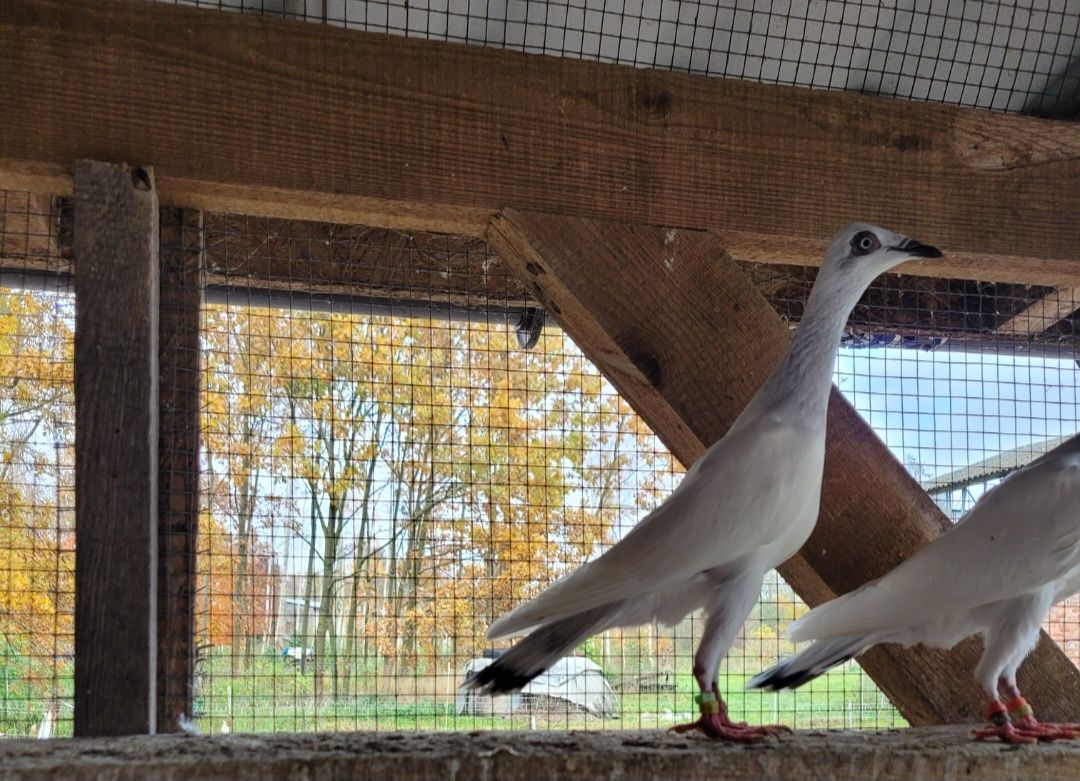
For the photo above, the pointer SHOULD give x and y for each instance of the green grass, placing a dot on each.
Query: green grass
(28, 686)
(274, 696)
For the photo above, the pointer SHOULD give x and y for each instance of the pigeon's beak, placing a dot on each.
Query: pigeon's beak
(917, 250)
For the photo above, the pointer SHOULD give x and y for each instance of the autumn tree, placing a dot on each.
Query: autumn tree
(239, 432)
(36, 480)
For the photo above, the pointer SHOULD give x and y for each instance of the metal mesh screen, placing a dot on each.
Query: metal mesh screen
(37, 564)
(389, 470)
(397, 448)
(996, 55)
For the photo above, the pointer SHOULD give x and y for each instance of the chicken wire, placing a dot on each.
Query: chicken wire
(1004, 56)
(403, 395)
(37, 434)
(389, 469)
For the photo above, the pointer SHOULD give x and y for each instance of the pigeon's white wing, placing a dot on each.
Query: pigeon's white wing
(1021, 535)
(726, 508)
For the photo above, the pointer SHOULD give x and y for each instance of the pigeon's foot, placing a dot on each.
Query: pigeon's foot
(715, 723)
(1001, 726)
(1046, 732)
(1024, 722)
(719, 728)
(1006, 732)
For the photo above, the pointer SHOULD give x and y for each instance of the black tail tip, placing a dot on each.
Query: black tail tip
(498, 678)
(783, 676)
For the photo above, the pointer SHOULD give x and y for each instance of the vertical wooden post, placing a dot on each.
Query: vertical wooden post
(182, 261)
(115, 246)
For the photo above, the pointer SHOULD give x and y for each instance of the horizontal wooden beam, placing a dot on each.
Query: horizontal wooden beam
(309, 121)
(398, 268)
(1048, 311)
(687, 339)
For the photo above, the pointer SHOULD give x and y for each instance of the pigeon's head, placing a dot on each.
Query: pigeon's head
(866, 250)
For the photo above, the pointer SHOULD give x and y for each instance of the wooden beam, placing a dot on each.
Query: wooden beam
(116, 444)
(29, 233)
(686, 338)
(364, 128)
(1048, 311)
(182, 258)
(392, 266)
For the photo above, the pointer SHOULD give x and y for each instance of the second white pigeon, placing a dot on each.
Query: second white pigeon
(995, 573)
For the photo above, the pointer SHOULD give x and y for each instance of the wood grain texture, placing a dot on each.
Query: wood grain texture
(939, 753)
(116, 446)
(29, 233)
(1054, 307)
(385, 265)
(669, 318)
(363, 128)
(182, 257)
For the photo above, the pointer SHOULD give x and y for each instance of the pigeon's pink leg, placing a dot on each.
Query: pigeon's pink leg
(1024, 721)
(715, 723)
(1000, 726)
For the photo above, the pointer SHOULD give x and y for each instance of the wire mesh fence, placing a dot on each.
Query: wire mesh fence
(37, 557)
(388, 472)
(397, 446)
(997, 55)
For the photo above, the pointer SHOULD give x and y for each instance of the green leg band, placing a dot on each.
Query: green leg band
(707, 703)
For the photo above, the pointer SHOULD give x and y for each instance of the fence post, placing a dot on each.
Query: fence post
(115, 246)
(182, 256)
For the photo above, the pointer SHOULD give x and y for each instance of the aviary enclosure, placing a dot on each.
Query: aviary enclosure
(382, 333)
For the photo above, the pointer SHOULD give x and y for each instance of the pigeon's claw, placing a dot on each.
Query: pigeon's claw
(715, 723)
(722, 729)
(1045, 731)
(1005, 732)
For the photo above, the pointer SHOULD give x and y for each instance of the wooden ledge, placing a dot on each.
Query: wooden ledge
(929, 752)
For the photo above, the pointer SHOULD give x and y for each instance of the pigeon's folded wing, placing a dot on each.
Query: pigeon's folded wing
(722, 511)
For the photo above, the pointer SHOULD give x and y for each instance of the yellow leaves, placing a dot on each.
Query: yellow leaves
(36, 394)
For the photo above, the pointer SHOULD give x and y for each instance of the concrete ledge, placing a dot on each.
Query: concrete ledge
(928, 753)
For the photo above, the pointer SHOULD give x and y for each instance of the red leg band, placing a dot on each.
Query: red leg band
(1016, 703)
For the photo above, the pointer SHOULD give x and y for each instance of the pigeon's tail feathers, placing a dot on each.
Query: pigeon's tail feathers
(513, 622)
(565, 598)
(536, 652)
(808, 664)
(864, 611)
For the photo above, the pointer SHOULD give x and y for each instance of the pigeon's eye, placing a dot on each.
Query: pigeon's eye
(864, 243)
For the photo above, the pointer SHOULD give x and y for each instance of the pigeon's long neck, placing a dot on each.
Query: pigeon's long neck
(799, 387)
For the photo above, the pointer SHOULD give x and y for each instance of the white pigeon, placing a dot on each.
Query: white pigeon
(745, 506)
(995, 573)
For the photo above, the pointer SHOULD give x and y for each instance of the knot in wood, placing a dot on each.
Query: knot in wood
(649, 366)
(653, 102)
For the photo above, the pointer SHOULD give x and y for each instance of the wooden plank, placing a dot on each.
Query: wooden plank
(29, 233)
(388, 265)
(686, 338)
(182, 257)
(1048, 311)
(116, 444)
(371, 129)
